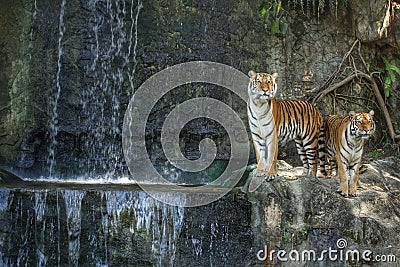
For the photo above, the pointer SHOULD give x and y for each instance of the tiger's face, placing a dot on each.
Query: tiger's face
(362, 124)
(262, 85)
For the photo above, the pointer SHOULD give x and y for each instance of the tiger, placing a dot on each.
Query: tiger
(272, 121)
(342, 140)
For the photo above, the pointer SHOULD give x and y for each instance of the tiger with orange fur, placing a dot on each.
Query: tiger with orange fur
(342, 140)
(273, 120)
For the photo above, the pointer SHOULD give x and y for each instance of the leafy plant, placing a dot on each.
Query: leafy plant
(374, 153)
(386, 144)
(286, 236)
(273, 14)
(303, 231)
(275, 17)
(389, 76)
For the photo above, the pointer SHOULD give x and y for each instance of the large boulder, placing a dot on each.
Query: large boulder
(307, 214)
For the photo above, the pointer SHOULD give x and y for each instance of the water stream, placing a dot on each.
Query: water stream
(90, 228)
(111, 73)
(105, 220)
(109, 35)
(56, 95)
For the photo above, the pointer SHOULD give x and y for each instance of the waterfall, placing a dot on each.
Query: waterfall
(107, 61)
(54, 101)
(34, 15)
(4, 194)
(67, 227)
(110, 74)
(151, 219)
(73, 202)
(135, 19)
(40, 207)
(51, 227)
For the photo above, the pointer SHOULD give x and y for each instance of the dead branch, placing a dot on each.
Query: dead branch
(328, 87)
(377, 94)
(335, 73)
(332, 88)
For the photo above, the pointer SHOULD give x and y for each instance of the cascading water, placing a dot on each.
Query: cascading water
(110, 74)
(40, 207)
(73, 202)
(108, 65)
(56, 95)
(92, 229)
(4, 195)
(159, 221)
(34, 14)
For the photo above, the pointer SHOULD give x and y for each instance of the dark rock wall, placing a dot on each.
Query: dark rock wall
(121, 228)
(102, 61)
(90, 225)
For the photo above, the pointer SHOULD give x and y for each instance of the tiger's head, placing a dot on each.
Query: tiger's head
(262, 86)
(362, 124)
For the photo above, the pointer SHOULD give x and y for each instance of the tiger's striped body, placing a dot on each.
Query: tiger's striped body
(274, 120)
(342, 140)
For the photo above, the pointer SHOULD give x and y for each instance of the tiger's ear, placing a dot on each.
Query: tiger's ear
(372, 112)
(252, 73)
(351, 114)
(275, 75)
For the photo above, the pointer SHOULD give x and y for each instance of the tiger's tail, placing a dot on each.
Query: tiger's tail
(322, 151)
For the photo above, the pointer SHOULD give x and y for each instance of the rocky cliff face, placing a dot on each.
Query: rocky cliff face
(120, 225)
(69, 69)
(307, 214)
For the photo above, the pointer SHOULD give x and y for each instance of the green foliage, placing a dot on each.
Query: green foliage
(388, 73)
(386, 144)
(374, 154)
(303, 231)
(286, 236)
(368, 65)
(273, 15)
(389, 76)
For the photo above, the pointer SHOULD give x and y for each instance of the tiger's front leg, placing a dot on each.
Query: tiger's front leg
(260, 173)
(260, 150)
(265, 168)
(342, 173)
(354, 171)
(272, 155)
(266, 153)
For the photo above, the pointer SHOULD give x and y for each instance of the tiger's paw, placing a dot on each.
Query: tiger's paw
(343, 194)
(353, 190)
(259, 174)
(353, 193)
(271, 177)
(328, 176)
(309, 172)
(258, 178)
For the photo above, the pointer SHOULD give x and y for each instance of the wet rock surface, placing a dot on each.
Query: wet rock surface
(95, 55)
(92, 227)
(117, 224)
(68, 71)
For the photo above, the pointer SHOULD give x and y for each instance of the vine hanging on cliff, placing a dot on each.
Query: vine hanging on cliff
(275, 15)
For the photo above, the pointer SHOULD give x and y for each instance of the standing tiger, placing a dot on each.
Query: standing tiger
(342, 138)
(274, 120)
